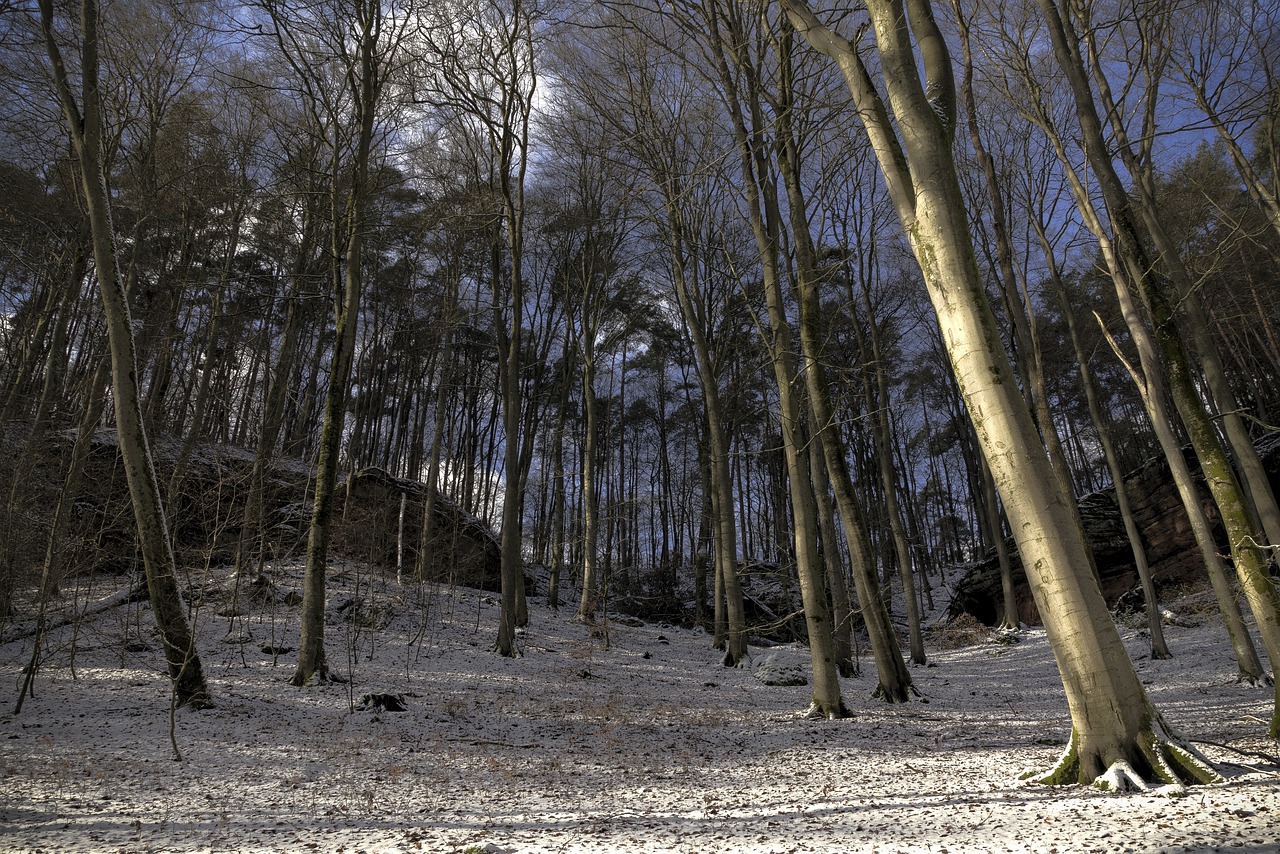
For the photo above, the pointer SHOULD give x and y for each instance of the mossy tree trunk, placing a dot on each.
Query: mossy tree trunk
(1149, 377)
(1153, 31)
(1113, 720)
(1162, 300)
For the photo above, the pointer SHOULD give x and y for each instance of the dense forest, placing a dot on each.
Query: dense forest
(663, 292)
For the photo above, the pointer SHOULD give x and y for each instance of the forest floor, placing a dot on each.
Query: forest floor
(643, 744)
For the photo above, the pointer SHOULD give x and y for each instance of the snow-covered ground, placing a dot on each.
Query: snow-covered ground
(643, 745)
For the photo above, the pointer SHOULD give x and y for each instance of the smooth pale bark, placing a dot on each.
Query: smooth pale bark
(826, 700)
(1028, 358)
(185, 670)
(1112, 719)
(1162, 298)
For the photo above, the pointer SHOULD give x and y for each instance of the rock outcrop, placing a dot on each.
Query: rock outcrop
(1166, 535)
(205, 507)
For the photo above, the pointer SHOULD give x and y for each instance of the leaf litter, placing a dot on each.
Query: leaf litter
(656, 749)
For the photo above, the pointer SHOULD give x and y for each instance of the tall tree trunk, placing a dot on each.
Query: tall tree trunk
(994, 520)
(1151, 385)
(590, 493)
(879, 402)
(365, 78)
(719, 477)
(430, 500)
(204, 384)
(185, 669)
(1112, 719)
(1159, 648)
(765, 218)
(1161, 299)
(829, 554)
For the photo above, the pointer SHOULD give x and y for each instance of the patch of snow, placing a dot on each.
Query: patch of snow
(661, 749)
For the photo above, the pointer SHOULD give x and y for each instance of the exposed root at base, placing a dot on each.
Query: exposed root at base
(322, 676)
(1248, 680)
(198, 702)
(902, 696)
(1171, 760)
(815, 712)
(1121, 779)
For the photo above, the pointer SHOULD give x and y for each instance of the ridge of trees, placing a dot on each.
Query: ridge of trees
(667, 290)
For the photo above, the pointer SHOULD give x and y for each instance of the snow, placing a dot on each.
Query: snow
(639, 745)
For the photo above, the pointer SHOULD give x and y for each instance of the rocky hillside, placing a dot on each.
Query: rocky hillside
(1166, 535)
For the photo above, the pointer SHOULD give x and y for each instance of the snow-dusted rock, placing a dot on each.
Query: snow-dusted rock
(781, 668)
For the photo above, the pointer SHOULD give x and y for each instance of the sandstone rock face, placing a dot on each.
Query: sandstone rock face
(206, 506)
(1166, 535)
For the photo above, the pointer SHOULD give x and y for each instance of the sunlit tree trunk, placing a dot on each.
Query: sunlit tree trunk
(1112, 719)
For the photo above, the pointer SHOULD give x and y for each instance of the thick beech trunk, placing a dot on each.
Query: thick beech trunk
(1113, 721)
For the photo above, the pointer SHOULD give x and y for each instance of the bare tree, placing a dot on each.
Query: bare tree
(1132, 220)
(342, 57)
(1113, 721)
(84, 121)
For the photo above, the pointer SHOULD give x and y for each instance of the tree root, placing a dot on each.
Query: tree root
(1248, 680)
(816, 712)
(1159, 756)
(321, 676)
(895, 697)
(1265, 757)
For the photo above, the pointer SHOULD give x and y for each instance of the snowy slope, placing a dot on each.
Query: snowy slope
(643, 746)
